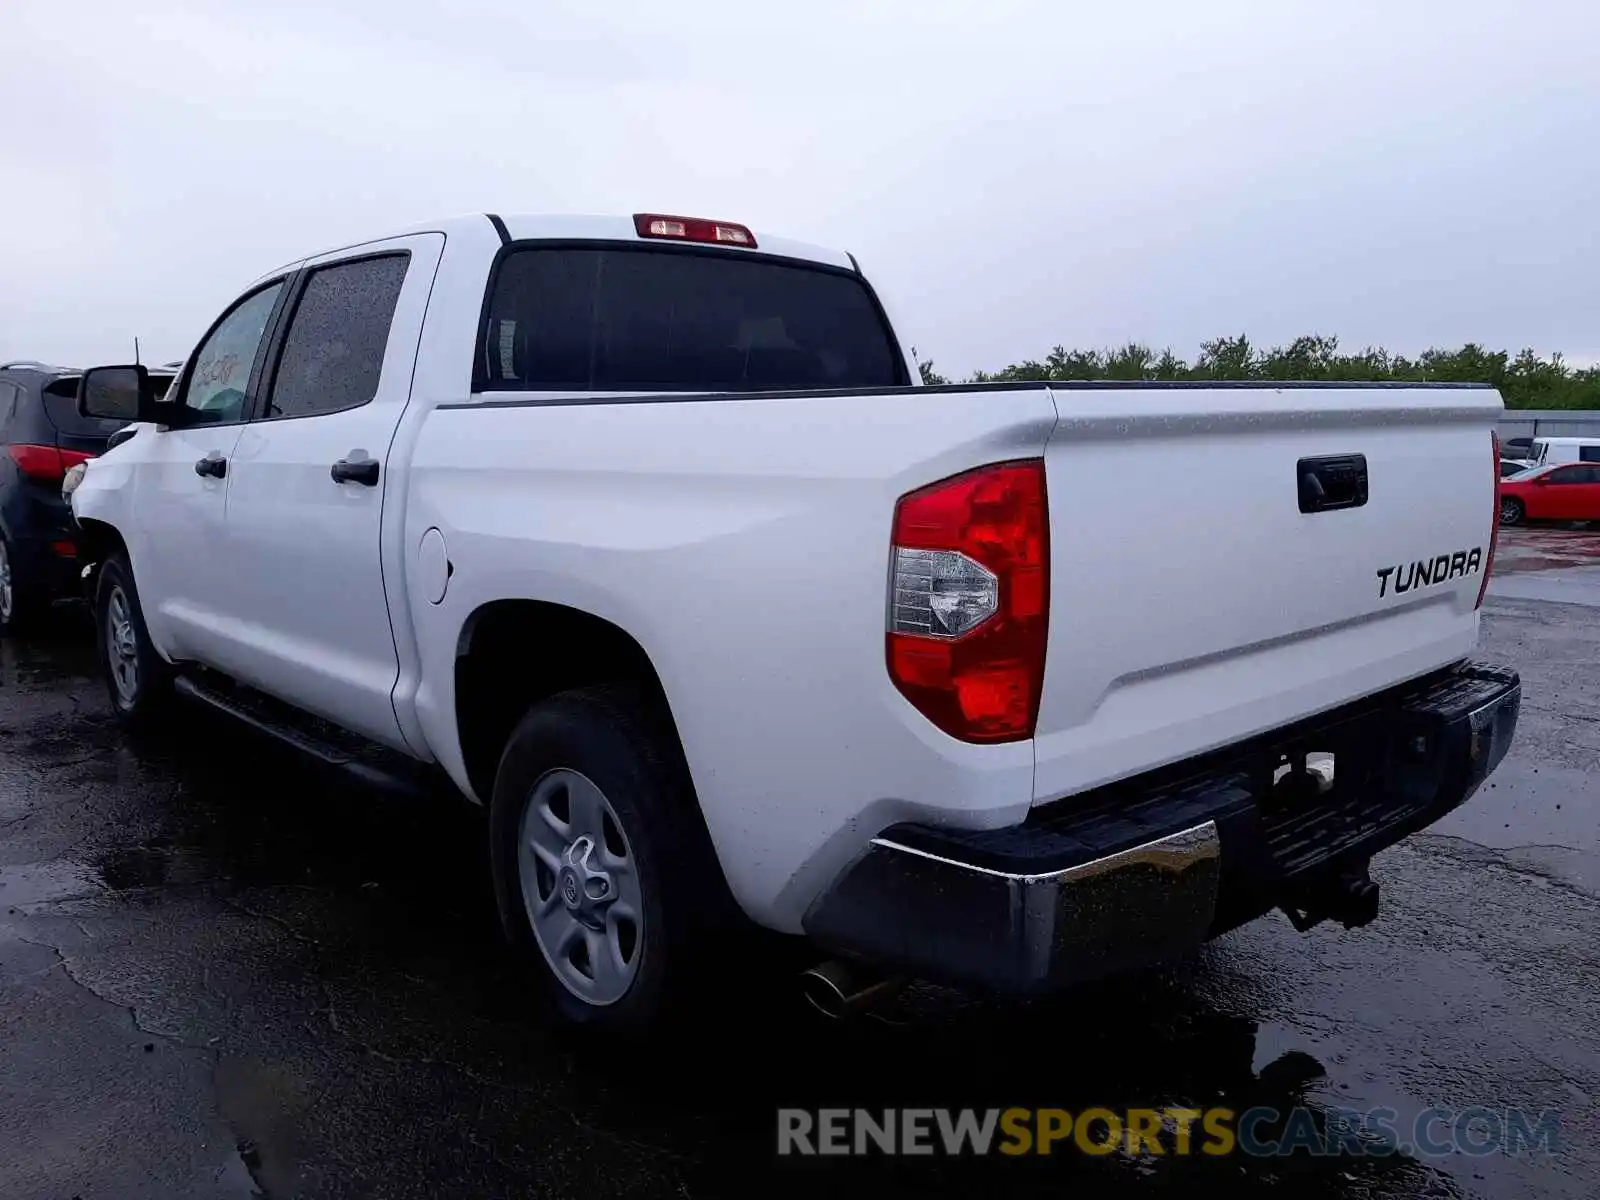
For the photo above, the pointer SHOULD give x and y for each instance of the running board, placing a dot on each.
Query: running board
(362, 762)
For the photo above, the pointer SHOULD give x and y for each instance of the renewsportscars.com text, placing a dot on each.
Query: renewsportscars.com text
(1260, 1132)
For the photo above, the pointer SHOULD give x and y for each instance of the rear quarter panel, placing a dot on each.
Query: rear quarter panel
(744, 543)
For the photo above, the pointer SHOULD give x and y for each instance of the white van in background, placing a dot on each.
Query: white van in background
(1549, 452)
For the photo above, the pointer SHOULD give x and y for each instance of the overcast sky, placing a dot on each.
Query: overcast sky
(1012, 174)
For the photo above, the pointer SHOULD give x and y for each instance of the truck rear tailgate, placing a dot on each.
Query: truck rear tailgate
(1193, 603)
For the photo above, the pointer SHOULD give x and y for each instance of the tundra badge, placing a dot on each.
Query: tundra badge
(1427, 572)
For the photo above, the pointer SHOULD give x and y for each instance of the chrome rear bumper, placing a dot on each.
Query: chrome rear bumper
(1147, 870)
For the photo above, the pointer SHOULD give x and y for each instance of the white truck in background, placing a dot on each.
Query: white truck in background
(643, 532)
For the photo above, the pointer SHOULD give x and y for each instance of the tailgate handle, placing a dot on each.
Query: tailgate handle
(1332, 482)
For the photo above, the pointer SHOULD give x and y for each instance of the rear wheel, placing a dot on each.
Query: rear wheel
(598, 862)
(20, 604)
(138, 679)
(1512, 511)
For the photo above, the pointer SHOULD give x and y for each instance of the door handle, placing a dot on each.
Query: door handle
(1332, 482)
(213, 465)
(355, 470)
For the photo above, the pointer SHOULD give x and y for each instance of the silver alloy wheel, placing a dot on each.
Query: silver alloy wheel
(7, 596)
(122, 645)
(580, 886)
(1509, 514)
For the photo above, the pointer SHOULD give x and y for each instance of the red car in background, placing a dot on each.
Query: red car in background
(1570, 492)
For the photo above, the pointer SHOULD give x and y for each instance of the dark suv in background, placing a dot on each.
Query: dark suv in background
(42, 436)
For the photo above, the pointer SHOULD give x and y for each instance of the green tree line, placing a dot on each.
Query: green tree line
(1527, 380)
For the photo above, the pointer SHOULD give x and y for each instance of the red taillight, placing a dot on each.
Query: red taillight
(1494, 525)
(693, 229)
(970, 601)
(46, 463)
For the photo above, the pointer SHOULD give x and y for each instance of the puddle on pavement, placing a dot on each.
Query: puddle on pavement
(1153, 1041)
(1569, 585)
(31, 884)
(1533, 805)
(61, 651)
(1527, 548)
(154, 866)
(266, 1105)
(235, 1179)
(1355, 1087)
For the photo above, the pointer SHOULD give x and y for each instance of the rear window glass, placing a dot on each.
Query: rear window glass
(623, 319)
(64, 415)
(61, 406)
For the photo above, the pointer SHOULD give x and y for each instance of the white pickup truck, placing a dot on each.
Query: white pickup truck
(643, 532)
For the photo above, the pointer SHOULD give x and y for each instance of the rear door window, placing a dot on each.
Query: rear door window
(8, 405)
(626, 319)
(23, 418)
(333, 354)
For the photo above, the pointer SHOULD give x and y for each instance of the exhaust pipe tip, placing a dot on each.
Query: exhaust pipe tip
(836, 989)
(826, 988)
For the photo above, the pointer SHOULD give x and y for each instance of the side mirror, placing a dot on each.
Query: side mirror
(118, 394)
(1541, 481)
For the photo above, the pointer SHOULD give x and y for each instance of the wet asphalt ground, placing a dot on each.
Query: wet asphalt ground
(222, 976)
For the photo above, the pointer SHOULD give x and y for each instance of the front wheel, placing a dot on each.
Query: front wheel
(1512, 511)
(595, 858)
(137, 677)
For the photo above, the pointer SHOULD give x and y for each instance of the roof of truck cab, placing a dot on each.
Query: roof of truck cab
(620, 228)
(568, 227)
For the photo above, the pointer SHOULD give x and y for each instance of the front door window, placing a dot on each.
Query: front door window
(217, 387)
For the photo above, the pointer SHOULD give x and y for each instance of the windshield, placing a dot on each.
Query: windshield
(644, 319)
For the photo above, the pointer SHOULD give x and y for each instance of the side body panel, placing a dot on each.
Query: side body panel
(744, 544)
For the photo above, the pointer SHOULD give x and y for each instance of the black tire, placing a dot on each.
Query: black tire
(614, 737)
(142, 705)
(21, 605)
(1512, 511)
